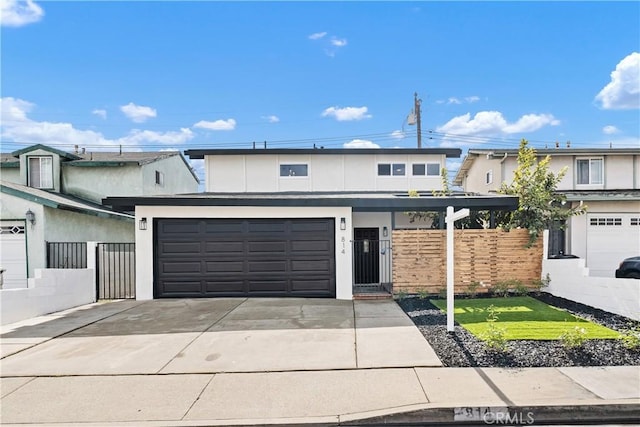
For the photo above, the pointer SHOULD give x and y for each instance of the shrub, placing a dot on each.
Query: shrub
(573, 338)
(423, 294)
(442, 293)
(520, 288)
(538, 285)
(400, 295)
(472, 288)
(631, 338)
(500, 289)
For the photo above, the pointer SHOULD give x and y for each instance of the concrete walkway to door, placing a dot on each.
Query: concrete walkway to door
(215, 335)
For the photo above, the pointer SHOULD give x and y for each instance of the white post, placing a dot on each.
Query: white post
(450, 219)
(92, 264)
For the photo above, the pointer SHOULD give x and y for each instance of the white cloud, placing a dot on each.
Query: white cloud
(316, 36)
(347, 113)
(397, 134)
(17, 126)
(360, 143)
(229, 124)
(472, 99)
(610, 130)
(100, 113)
(623, 92)
(338, 42)
(16, 13)
(493, 122)
(457, 101)
(271, 119)
(138, 113)
(453, 100)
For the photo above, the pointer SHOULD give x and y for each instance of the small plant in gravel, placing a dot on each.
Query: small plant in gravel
(423, 294)
(631, 338)
(494, 336)
(442, 293)
(400, 295)
(573, 338)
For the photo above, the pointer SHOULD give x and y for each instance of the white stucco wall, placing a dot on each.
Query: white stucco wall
(55, 225)
(326, 172)
(51, 290)
(145, 243)
(177, 177)
(95, 183)
(10, 175)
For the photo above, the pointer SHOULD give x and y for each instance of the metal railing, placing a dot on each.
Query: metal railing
(66, 255)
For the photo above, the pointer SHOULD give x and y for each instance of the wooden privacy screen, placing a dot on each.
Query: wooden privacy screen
(486, 256)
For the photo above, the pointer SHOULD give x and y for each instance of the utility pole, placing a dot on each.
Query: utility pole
(416, 107)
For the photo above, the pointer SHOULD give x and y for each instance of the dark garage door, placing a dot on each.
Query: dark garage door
(244, 257)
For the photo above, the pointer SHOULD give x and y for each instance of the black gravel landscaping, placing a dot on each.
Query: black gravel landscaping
(463, 349)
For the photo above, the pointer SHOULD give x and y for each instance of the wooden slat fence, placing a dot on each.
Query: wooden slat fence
(486, 256)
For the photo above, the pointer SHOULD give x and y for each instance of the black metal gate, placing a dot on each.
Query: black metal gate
(116, 270)
(372, 266)
(66, 255)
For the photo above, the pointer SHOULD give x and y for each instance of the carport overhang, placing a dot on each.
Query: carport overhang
(358, 202)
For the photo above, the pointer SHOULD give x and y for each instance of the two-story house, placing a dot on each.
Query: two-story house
(50, 195)
(287, 222)
(606, 180)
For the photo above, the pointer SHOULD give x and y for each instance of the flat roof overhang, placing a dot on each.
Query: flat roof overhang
(371, 202)
(199, 154)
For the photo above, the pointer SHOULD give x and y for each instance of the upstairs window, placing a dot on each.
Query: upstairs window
(428, 169)
(488, 179)
(590, 171)
(159, 178)
(294, 170)
(40, 172)
(391, 169)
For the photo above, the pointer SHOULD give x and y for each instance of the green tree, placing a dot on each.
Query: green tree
(539, 205)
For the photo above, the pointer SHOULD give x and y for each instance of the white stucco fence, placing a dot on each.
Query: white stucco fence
(570, 279)
(49, 291)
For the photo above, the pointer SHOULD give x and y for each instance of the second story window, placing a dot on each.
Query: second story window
(159, 178)
(425, 169)
(391, 169)
(41, 172)
(488, 179)
(294, 170)
(590, 171)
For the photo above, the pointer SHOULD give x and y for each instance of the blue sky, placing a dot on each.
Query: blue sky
(178, 75)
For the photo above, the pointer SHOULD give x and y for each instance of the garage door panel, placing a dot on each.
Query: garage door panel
(225, 267)
(169, 267)
(245, 257)
(172, 248)
(182, 286)
(222, 247)
(180, 228)
(230, 286)
(268, 248)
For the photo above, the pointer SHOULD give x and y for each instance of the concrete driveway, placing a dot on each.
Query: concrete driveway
(190, 336)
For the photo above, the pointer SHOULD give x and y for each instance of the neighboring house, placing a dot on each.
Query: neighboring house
(287, 222)
(606, 180)
(52, 195)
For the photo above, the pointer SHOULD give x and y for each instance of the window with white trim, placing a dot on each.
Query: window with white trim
(291, 170)
(488, 178)
(391, 169)
(40, 171)
(590, 171)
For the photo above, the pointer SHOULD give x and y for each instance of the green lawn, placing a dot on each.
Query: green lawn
(525, 318)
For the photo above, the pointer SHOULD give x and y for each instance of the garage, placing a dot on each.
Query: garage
(14, 254)
(610, 239)
(213, 257)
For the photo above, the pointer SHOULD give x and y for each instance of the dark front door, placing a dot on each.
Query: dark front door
(366, 247)
(244, 257)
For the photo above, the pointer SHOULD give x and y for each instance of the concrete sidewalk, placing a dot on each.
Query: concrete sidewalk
(274, 361)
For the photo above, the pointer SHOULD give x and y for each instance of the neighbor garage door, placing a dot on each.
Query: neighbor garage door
(610, 239)
(13, 249)
(244, 257)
